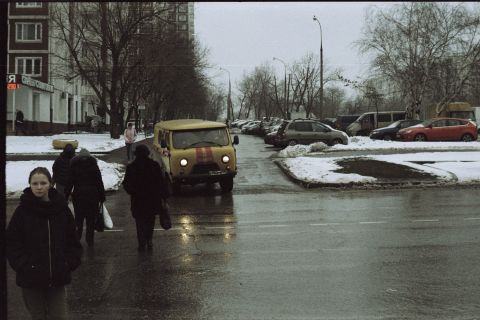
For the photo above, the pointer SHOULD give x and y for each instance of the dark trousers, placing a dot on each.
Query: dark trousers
(129, 151)
(85, 211)
(145, 229)
(19, 128)
(49, 303)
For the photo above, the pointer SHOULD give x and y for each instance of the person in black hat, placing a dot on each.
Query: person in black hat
(19, 122)
(61, 171)
(88, 192)
(145, 184)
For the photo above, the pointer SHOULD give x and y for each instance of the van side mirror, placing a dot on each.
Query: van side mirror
(163, 144)
(235, 140)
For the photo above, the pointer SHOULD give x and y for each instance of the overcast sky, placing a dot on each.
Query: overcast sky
(242, 35)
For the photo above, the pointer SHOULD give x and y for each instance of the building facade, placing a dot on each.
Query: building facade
(39, 67)
(49, 103)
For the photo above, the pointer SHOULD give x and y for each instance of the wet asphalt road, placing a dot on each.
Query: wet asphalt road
(273, 250)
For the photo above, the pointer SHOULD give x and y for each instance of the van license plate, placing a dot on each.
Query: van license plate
(215, 173)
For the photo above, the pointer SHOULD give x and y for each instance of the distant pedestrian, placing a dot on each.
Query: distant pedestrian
(88, 192)
(19, 118)
(61, 171)
(145, 184)
(42, 247)
(130, 136)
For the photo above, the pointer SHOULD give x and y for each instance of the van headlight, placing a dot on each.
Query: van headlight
(225, 159)
(183, 162)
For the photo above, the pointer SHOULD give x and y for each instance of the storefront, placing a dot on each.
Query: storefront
(33, 98)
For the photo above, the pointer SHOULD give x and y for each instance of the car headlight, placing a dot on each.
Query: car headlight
(183, 162)
(225, 159)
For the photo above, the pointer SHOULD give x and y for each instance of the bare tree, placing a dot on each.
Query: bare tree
(413, 40)
(100, 44)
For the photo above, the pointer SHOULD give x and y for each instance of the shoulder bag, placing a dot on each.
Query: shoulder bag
(164, 218)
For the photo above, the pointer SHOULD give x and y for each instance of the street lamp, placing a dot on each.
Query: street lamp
(321, 67)
(229, 98)
(285, 85)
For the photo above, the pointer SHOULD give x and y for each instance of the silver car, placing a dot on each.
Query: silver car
(307, 131)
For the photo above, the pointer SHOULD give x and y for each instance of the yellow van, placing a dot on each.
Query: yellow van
(192, 151)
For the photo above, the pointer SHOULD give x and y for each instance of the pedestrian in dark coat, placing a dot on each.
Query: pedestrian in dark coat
(42, 247)
(88, 192)
(145, 184)
(19, 122)
(61, 171)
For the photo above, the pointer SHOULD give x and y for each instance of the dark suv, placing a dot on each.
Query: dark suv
(307, 131)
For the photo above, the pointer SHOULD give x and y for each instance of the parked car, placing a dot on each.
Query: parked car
(390, 131)
(330, 121)
(343, 121)
(372, 120)
(271, 138)
(440, 129)
(307, 131)
(251, 126)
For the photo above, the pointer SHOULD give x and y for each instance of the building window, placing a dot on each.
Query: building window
(182, 17)
(28, 32)
(182, 7)
(28, 66)
(28, 4)
(182, 27)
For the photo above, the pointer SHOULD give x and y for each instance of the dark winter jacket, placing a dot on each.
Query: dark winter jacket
(86, 180)
(145, 184)
(61, 168)
(42, 243)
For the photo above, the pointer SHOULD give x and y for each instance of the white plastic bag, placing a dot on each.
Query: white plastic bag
(70, 206)
(106, 218)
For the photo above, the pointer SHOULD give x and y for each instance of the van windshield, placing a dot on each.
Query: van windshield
(200, 138)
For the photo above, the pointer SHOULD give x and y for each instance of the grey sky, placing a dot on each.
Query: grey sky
(242, 35)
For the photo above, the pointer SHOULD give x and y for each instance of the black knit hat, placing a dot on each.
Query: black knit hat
(141, 151)
(68, 151)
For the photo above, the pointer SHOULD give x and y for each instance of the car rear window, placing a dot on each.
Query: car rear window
(303, 126)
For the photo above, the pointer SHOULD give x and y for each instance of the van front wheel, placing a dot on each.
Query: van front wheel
(226, 184)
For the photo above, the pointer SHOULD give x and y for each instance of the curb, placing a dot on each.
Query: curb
(393, 184)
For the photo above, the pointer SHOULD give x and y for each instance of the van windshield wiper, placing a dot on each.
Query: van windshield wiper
(198, 142)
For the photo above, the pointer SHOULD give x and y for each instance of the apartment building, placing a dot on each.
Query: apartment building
(39, 67)
(50, 104)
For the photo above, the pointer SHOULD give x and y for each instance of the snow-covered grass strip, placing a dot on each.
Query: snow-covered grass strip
(17, 175)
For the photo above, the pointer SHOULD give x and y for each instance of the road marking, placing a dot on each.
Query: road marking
(114, 230)
(372, 222)
(160, 229)
(224, 227)
(471, 219)
(324, 224)
(426, 220)
(273, 226)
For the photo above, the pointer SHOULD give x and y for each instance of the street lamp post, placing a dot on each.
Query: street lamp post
(285, 84)
(229, 98)
(321, 67)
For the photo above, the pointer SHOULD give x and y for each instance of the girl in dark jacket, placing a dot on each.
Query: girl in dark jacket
(42, 247)
(61, 171)
(145, 184)
(88, 192)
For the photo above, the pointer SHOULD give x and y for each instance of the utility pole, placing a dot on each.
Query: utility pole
(321, 67)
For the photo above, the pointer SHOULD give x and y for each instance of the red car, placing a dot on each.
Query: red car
(440, 129)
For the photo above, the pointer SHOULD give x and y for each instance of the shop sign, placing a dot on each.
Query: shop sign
(13, 81)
